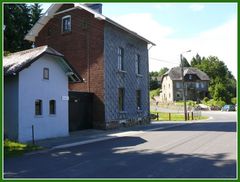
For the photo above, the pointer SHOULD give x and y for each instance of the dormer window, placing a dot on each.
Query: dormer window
(66, 24)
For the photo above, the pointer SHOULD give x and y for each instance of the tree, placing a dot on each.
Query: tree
(184, 62)
(36, 13)
(222, 83)
(155, 77)
(18, 20)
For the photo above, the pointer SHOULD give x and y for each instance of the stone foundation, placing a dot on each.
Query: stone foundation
(127, 122)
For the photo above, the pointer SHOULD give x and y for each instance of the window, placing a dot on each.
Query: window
(120, 58)
(190, 77)
(66, 24)
(197, 85)
(45, 73)
(138, 99)
(169, 95)
(52, 107)
(38, 107)
(202, 85)
(137, 63)
(121, 99)
(178, 85)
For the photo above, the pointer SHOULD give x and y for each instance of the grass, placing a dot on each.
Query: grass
(12, 148)
(174, 116)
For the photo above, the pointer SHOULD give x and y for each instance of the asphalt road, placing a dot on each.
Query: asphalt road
(200, 150)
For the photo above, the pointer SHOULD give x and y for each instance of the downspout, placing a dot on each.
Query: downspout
(88, 55)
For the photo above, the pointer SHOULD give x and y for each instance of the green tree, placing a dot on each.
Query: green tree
(36, 12)
(184, 62)
(17, 21)
(155, 78)
(222, 83)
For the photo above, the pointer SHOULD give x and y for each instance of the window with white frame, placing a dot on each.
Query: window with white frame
(197, 85)
(120, 58)
(137, 64)
(66, 24)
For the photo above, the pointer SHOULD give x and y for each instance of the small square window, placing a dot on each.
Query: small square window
(45, 73)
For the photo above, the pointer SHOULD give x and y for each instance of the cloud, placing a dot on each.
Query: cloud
(147, 27)
(220, 41)
(196, 7)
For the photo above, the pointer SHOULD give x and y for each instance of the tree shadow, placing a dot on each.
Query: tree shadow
(123, 157)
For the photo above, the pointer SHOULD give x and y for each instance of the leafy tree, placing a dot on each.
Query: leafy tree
(222, 83)
(155, 76)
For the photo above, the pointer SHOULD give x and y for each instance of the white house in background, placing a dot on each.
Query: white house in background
(36, 94)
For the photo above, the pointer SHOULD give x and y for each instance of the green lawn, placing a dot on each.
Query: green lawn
(12, 148)
(175, 116)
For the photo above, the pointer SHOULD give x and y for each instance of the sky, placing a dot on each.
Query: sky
(209, 29)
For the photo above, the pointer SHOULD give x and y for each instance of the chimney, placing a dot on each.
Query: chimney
(95, 6)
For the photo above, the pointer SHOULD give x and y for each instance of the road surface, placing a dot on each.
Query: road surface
(200, 150)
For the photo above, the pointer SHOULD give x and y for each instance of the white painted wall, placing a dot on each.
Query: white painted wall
(32, 86)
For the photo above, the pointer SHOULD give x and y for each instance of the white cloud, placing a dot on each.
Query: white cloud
(196, 7)
(145, 25)
(220, 41)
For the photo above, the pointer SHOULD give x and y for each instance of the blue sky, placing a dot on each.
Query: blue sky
(205, 28)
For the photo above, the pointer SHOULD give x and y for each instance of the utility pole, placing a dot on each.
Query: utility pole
(183, 85)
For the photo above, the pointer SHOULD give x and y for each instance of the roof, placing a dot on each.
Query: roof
(175, 73)
(54, 8)
(18, 61)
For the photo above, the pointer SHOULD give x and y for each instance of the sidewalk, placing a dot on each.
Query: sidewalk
(91, 135)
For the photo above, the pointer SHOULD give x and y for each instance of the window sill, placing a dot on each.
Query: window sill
(121, 71)
(139, 75)
(38, 116)
(52, 115)
(66, 33)
(122, 112)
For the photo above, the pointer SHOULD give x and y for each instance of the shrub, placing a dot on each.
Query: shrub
(234, 100)
(206, 99)
(154, 93)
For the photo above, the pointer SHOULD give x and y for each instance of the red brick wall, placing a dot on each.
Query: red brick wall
(79, 46)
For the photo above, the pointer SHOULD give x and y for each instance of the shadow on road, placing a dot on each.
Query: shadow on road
(119, 158)
(207, 126)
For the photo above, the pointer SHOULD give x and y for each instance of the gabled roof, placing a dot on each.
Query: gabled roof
(18, 61)
(55, 7)
(175, 73)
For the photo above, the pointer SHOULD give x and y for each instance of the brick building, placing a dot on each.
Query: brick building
(112, 60)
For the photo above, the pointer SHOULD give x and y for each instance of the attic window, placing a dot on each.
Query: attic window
(66, 24)
(45, 73)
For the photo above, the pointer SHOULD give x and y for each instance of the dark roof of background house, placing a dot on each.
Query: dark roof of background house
(18, 61)
(175, 73)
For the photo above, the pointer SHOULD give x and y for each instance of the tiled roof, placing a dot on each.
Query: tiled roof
(175, 73)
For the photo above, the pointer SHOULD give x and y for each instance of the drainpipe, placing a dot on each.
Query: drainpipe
(88, 54)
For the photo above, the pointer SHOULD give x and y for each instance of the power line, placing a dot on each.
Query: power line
(165, 61)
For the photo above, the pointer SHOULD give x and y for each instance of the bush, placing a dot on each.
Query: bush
(234, 100)
(206, 99)
(154, 93)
